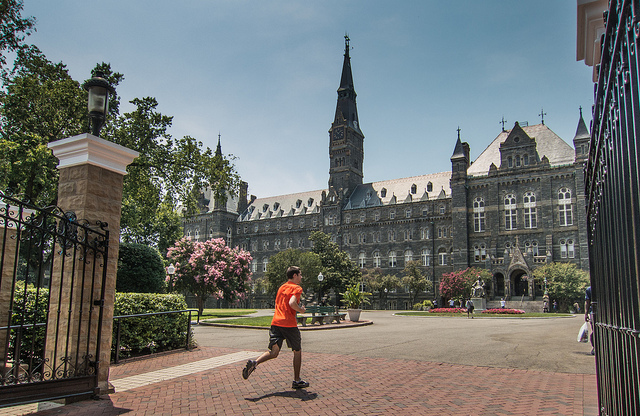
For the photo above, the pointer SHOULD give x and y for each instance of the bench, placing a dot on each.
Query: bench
(321, 315)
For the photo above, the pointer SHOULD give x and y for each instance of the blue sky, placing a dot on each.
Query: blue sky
(264, 74)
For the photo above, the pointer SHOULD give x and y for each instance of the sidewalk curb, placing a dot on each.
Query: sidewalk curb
(302, 328)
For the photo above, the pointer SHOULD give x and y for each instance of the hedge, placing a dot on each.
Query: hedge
(149, 334)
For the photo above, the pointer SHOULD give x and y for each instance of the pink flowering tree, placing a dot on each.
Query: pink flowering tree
(458, 284)
(210, 269)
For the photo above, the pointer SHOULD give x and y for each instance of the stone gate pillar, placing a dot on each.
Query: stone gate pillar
(91, 179)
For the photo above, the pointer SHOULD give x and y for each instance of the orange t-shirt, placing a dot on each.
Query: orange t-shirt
(284, 315)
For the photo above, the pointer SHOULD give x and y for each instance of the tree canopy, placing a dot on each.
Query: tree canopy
(308, 262)
(415, 281)
(337, 268)
(565, 282)
(458, 284)
(140, 269)
(13, 28)
(41, 103)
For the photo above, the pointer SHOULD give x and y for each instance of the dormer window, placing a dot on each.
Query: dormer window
(276, 205)
(429, 187)
(265, 207)
(414, 189)
(383, 192)
(298, 203)
(310, 202)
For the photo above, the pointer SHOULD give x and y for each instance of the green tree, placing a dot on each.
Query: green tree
(140, 269)
(13, 28)
(380, 283)
(40, 103)
(566, 283)
(415, 281)
(276, 273)
(337, 269)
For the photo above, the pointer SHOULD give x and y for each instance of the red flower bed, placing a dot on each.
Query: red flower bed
(504, 311)
(448, 310)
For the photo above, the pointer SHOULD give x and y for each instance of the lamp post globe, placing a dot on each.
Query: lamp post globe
(98, 102)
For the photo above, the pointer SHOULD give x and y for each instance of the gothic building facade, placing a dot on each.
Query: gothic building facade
(518, 206)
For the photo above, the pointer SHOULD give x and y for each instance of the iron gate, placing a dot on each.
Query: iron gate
(51, 298)
(613, 211)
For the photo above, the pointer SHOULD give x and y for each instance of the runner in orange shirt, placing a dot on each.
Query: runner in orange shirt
(285, 327)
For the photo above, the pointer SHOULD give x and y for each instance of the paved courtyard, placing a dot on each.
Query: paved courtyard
(397, 366)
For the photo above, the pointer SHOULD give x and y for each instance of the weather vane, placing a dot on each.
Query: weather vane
(542, 114)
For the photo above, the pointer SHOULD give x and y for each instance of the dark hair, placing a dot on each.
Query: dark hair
(291, 271)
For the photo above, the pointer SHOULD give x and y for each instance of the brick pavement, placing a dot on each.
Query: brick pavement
(342, 385)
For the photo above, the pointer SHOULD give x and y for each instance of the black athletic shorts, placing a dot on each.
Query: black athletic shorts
(277, 334)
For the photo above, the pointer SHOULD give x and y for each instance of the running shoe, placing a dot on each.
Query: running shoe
(246, 372)
(299, 385)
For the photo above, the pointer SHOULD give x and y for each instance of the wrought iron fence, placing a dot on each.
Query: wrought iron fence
(613, 212)
(38, 246)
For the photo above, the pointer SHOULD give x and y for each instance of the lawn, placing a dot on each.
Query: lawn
(264, 321)
(225, 313)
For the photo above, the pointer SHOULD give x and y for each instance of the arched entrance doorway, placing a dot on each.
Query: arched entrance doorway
(519, 283)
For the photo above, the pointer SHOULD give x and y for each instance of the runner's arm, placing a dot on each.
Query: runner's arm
(293, 302)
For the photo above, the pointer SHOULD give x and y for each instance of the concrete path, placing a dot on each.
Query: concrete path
(398, 366)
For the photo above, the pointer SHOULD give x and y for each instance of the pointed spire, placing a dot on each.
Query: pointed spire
(458, 152)
(346, 108)
(219, 148)
(582, 132)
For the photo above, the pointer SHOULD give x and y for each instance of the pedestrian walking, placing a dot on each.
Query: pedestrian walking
(452, 303)
(588, 316)
(284, 326)
(470, 308)
(503, 303)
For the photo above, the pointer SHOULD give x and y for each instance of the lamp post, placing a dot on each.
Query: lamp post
(171, 270)
(98, 103)
(320, 279)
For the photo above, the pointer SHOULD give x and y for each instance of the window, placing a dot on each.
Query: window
(518, 161)
(530, 211)
(254, 265)
(414, 189)
(392, 214)
(442, 210)
(363, 217)
(197, 234)
(425, 211)
(393, 261)
(347, 238)
(229, 232)
(510, 212)
(289, 224)
(478, 215)
(408, 256)
(441, 231)
(429, 187)
(376, 237)
(407, 213)
(266, 227)
(442, 257)
(480, 252)
(531, 247)
(278, 225)
(510, 161)
(254, 246)
(567, 249)
(362, 238)
(265, 245)
(376, 259)
(276, 245)
(302, 223)
(314, 222)
(347, 219)
(255, 228)
(383, 192)
(392, 235)
(408, 235)
(376, 215)
(425, 233)
(564, 207)
(362, 260)
(289, 243)
(301, 243)
(526, 160)
(426, 257)
(265, 262)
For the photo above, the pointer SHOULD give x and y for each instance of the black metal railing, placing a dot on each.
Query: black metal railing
(612, 181)
(118, 320)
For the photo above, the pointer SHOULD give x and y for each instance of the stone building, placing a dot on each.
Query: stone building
(519, 205)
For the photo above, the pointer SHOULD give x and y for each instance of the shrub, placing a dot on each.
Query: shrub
(29, 307)
(149, 334)
(448, 310)
(140, 269)
(417, 306)
(427, 304)
(504, 311)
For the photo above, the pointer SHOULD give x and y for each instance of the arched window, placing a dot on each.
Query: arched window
(565, 209)
(530, 210)
(442, 256)
(478, 215)
(510, 212)
(376, 259)
(426, 257)
(265, 262)
(408, 256)
(567, 249)
(531, 247)
(480, 252)
(362, 258)
(393, 261)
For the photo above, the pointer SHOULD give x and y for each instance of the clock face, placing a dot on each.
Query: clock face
(337, 134)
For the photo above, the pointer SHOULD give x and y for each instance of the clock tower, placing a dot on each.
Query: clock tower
(346, 141)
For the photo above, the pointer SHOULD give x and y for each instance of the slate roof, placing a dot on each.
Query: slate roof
(398, 191)
(548, 143)
(283, 206)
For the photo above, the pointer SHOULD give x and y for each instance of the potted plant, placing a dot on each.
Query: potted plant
(353, 298)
